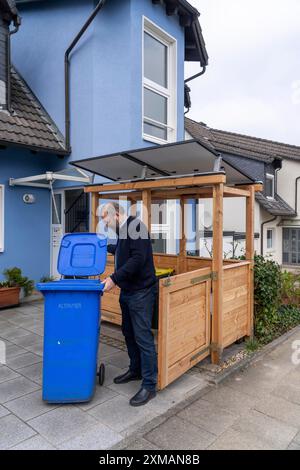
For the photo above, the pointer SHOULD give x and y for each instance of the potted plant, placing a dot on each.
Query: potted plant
(10, 288)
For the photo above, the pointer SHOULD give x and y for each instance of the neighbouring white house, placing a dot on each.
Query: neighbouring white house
(277, 210)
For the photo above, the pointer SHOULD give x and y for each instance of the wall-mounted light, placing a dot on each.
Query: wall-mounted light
(29, 198)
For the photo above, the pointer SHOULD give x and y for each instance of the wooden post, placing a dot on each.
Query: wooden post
(95, 205)
(250, 202)
(146, 208)
(182, 246)
(217, 267)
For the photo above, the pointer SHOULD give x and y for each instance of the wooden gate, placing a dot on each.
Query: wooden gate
(184, 323)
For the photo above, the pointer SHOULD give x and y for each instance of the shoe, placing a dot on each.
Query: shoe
(142, 397)
(127, 377)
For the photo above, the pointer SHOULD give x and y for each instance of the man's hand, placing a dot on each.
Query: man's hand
(108, 284)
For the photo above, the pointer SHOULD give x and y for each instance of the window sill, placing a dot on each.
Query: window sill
(156, 140)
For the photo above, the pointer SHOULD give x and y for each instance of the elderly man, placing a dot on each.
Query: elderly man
(135, 275)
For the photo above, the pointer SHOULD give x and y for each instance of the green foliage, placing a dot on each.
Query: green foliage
(267, 294)
(45, 279)
(276, 297)
(290, 288)
(252, 345)
(14, 278)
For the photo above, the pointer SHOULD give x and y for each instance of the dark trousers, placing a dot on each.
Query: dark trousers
(137, 312)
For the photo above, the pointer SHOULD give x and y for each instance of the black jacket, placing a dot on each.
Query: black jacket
(134, 267)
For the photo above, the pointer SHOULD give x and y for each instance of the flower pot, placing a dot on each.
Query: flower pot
(9, 296)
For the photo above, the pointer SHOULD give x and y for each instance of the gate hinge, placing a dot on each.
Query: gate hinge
(196, 280)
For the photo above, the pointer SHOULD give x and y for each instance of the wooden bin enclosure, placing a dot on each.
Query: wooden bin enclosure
(208, 304)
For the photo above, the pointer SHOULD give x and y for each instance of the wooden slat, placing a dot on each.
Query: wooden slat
(184, 324)
(146, 208)
(158, 183)
(217, 266)
(182, 247)
(94, 209)
(250, 202)
(235, 192)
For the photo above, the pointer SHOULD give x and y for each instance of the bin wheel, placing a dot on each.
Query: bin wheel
(101, 374)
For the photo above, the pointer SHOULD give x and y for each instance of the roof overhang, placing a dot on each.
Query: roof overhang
(171, 160)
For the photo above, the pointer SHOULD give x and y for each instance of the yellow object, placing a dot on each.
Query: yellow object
(164, 272)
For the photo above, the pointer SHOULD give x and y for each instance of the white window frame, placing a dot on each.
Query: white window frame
(171, 92)
(270, 229)
(272, 178)
(2, 190)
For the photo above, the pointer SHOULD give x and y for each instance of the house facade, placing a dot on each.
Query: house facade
(277, 209)
(83, 78)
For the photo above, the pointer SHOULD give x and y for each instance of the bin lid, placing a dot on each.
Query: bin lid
(82, 254)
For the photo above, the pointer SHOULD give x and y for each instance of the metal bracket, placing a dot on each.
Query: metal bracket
(199, 353)
(197, 280)
(167, 282)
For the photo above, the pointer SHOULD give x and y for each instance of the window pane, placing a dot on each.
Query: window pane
(155, 106)
(269, 238)
(155, 60)
(269, 187)
(155, 131)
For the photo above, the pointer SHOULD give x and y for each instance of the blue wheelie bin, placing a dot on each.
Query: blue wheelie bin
(72, 320)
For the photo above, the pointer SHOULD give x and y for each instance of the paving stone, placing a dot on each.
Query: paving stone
(281, 409)
(289, 392)
(128, 390)
(33, 372)
(27, 340)
(119, 415)
(37, 349)
(34, 443)
(95, 438)
(22, 361)
(16, 388)
(62, 424)
(294, 446)
(12, 350)
(256, 381)
(102, 394)
(29, 406)
(273, 433)
(230, 399)
(3, 411)
(142, 444)
(119, 359)
(186, 384)
(177, 434)
(15, 431)
(234, 440)
(208, 416)
(111, 372)
(106, 350)
(7, 374)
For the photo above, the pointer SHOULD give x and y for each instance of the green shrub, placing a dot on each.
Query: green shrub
(14, 278)
(290, 288)
(267, 295)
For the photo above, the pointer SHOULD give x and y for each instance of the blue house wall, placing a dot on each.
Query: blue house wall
(27, 226)
(106, 102)
(106, 68)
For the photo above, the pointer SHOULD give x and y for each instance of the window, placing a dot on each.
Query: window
(291, 246)
(269, 189)
(159, 85)
(1, 218)
(270, 238)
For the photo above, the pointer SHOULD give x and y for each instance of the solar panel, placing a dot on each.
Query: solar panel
(181, 158)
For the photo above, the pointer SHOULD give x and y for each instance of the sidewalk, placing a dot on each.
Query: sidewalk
(255, 409)
(258, 408)
(26, 422)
